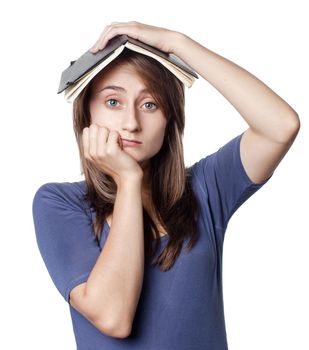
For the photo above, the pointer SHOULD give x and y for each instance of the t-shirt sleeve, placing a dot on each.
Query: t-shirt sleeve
(224, 183)
(64, 235)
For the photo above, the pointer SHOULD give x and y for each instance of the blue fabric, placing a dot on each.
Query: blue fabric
(180, 309)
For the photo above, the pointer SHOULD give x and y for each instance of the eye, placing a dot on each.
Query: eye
(111, 99)
(150, 103)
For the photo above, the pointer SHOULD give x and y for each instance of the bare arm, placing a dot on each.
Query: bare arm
(263, 110)
(110, 296)
(273, 123)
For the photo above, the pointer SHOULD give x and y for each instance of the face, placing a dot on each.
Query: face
(120, 101)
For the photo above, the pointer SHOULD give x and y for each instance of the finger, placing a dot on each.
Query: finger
(101, 141)
(129, 28)
(109, 33)
(116, 28)
(93, 130)
(85, 142)
(114, 140)
(95, 46)
(101, 37)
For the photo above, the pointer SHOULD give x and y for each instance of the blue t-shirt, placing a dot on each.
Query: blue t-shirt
(181, 309)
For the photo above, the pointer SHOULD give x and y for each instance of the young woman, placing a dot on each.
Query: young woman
(136, 248)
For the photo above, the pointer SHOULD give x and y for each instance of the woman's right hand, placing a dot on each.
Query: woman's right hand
(103, 148)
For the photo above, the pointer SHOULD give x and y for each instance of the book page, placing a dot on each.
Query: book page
(180, 74)
(73, 91)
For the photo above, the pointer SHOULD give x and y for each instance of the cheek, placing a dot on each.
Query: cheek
(101, 119)
(159, 134)
(159, 141)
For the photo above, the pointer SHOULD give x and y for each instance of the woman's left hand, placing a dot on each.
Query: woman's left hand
(158, 37)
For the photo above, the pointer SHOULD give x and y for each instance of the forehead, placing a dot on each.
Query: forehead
(124, 76)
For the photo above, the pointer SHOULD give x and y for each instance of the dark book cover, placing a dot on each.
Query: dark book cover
(88, 60)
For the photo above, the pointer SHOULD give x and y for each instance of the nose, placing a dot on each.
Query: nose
(131, 120)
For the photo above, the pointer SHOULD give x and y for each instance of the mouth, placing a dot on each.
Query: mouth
(131, 141)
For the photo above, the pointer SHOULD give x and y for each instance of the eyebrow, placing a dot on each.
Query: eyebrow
(120, 88)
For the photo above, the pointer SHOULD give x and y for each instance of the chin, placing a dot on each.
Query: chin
(144, 163)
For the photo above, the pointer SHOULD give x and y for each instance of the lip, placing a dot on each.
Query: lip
(131, 143)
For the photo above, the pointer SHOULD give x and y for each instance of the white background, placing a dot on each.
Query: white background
(266, 252)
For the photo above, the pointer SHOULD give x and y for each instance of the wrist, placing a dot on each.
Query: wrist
(129, 180)
(177, 41)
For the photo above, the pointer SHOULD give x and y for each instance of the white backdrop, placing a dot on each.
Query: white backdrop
(265, 260)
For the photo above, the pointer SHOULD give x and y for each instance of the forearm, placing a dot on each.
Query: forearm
(115, 282)
(263, 110)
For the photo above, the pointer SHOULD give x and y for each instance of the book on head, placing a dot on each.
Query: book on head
(80, 72)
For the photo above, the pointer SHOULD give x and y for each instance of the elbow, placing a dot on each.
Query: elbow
(290, 131)
(294, 128)
(114, 329)
(295, 123)
(106, 321)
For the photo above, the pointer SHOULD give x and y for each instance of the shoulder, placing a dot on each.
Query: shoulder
(64, 188)
(198, 171)
(223, 161)
(61, 195)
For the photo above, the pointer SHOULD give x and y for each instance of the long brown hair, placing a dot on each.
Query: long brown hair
(172, 196)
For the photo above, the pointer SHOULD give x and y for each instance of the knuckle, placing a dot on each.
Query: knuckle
(92, 154)
(110, 151)
(103, 128)
(115, 132)
(135, 24)
(101, 154)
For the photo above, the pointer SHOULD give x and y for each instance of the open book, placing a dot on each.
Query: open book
(80, 72)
